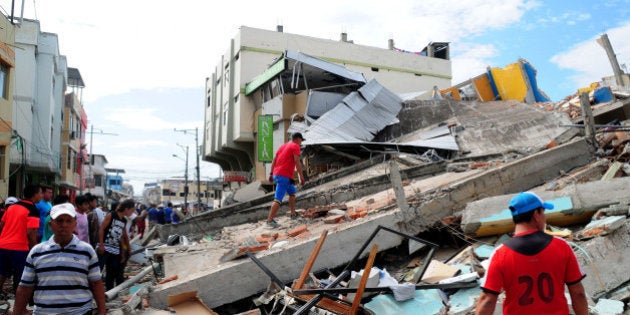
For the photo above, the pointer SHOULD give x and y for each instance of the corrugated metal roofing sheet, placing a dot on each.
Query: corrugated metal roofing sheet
(325, 65)
(358, 117)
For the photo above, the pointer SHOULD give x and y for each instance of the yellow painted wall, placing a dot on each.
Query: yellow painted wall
(510, 82)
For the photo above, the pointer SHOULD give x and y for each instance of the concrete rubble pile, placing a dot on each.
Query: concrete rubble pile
(503, 147)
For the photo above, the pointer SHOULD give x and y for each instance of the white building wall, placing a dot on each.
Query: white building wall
(254, 50)
(38, 98)
(43, 154)
(59, 89)
(24, 93)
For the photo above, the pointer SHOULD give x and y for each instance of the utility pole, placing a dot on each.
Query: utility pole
(185, 177)
(605, 43)
(196, 130)
(91, 159)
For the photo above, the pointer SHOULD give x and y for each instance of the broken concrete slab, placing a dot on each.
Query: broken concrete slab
(605, 260)
(463, 301)
(512, 177)
(331, 189)
(221, 283)
(602, 226)
(575, 204)
(512, 126)
(251, 191)
(608, 307)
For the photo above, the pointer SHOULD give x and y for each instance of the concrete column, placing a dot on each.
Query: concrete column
(589, 121)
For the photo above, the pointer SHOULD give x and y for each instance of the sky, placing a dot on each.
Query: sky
(144, 63)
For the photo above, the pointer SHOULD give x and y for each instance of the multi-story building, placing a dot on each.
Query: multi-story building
(73, 138)
(7, 80)
(174, 191)
(230, 114)
(38, 111)
(95, 175)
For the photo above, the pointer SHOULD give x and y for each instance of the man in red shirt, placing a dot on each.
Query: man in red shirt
(284, 163)
(18, 234)
(532, 267)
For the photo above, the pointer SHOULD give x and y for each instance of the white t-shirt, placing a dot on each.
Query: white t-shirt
(129, 221)
(100, 215)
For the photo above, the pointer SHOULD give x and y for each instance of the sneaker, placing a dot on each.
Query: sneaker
(294, 216)
(273, 224)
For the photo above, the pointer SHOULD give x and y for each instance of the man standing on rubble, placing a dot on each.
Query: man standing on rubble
(532, 267)
(285, 162)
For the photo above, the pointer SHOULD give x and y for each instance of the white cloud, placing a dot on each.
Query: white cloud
(122, 45)
(589, 60)
(472, 60)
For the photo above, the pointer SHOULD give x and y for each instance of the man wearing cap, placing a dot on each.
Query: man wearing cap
(284, 163)
(532, 267)
(62, 272)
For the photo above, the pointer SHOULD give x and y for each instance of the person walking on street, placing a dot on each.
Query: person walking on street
(83, 224)
(532, 267)
(44, 207)
(113, 246)
(168, 213)
(94, 208)
(285, 162)
(141, 222)
(62, 273)
(18, 234)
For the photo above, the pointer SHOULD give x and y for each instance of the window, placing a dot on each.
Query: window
(98, 180)
(69, 157)
(4, 80)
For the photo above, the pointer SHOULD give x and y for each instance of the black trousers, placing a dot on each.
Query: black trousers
(114, 270)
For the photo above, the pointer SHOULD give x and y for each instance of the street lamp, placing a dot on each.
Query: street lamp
(185, 175)
(196, 130)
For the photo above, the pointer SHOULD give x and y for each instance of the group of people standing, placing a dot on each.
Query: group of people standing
(55, 250)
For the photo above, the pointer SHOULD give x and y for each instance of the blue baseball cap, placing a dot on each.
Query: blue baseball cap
(527, 201)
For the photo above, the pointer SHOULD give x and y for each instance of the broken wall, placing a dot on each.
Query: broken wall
(483, 128)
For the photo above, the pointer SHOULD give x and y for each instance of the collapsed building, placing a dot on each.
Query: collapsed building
(377, 161)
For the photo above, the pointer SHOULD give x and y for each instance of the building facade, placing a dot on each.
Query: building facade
(174, 191)
(7, 81)
(38, 107)
(95, 175)
(230, 115)
(72, 143)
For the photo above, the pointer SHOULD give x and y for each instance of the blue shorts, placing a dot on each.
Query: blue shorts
(283, 186)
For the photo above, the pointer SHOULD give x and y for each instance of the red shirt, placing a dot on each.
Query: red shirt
(18, 218)
(533, 268)
(285, 160)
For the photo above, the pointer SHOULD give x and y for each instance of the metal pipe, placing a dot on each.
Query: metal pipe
(111, 294)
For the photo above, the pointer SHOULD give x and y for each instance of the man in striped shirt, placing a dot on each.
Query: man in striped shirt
(62, 272)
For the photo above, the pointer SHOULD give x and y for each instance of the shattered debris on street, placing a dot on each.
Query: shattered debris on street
(405, 202)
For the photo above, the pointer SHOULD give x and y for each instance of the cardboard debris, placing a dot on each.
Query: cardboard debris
(437, 271)
(188, 303)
